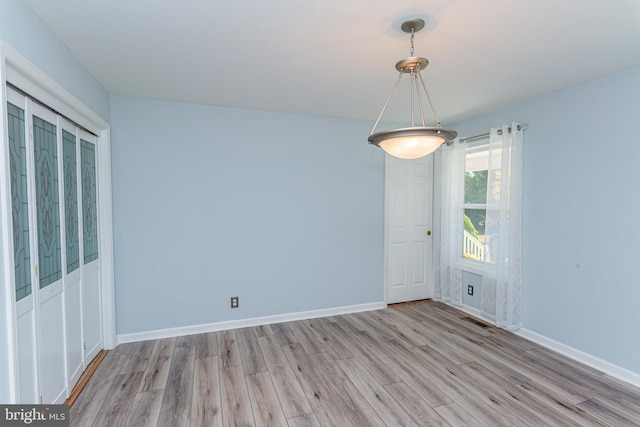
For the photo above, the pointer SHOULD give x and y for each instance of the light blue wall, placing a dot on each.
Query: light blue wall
(580, 214)
(284, 211)
(25, 32)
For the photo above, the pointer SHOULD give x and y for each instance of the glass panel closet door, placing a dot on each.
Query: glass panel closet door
(22, 258)
(19, 200)
(70, 165)
(47, 201)
(55, 248)
(47, 161)
(89, 204)
(72, 283)
(91, 306)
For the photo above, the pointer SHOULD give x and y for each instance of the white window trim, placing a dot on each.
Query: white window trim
(468, 264)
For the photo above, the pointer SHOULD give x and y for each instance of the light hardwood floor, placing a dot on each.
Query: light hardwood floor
(423, 364)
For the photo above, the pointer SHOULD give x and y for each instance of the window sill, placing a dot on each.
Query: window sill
(470, 265)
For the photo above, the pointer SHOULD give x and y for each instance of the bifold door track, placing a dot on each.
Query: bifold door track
(86, 376)
(43, 105)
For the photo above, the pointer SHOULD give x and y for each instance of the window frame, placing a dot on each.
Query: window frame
(479, 146)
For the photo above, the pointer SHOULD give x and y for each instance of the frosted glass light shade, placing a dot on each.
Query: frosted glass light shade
(412, 143)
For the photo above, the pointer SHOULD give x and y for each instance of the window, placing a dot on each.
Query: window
(480, 204)
(476, 171)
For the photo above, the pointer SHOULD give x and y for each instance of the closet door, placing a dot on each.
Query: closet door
(47, 163)
(91, 304)
(55, 249)
(72, 283)
(19, 165)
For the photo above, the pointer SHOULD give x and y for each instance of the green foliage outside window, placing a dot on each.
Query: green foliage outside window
(475, 191)
(475, 187)
(469, 227)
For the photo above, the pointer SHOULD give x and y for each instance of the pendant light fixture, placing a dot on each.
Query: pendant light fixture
(415, 141)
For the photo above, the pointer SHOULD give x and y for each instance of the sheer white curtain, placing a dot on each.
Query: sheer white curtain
(501, 298)
(449, 197)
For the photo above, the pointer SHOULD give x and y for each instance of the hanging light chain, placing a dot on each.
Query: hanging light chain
(413, 77)
(412, 37)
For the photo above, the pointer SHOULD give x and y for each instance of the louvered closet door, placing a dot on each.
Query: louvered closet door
(47, 164)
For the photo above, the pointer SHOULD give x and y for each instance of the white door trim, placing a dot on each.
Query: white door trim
(7, 250)
(105, 221)
(386, 243)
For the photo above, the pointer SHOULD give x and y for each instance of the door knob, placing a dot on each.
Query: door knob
(428, 232)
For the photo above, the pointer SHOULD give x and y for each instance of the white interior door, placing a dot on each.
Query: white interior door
(72, 283)
(47, 164)
(90, 257)
(55, 240)
(408, 218)
(20, 168)
(54, 211)
(56, 313)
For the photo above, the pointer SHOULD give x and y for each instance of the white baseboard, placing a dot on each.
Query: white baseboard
(245, 323)
(470, 310)
(608, 368)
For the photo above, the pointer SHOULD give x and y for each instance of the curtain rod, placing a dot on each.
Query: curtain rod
(484, 135)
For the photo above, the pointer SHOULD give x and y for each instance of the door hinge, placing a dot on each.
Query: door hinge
(41, 400)
(84, 346)
(35, 270)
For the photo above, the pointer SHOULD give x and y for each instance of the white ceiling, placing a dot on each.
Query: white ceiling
(336, 57)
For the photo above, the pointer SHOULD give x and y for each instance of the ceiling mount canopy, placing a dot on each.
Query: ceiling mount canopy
(415, 141)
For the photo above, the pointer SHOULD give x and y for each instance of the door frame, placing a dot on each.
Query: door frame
(16, 69)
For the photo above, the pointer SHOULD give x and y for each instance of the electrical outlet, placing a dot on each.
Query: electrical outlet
(470, 290)
(235, 302)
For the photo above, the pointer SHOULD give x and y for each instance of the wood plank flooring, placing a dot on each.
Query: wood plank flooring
(423, 364)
